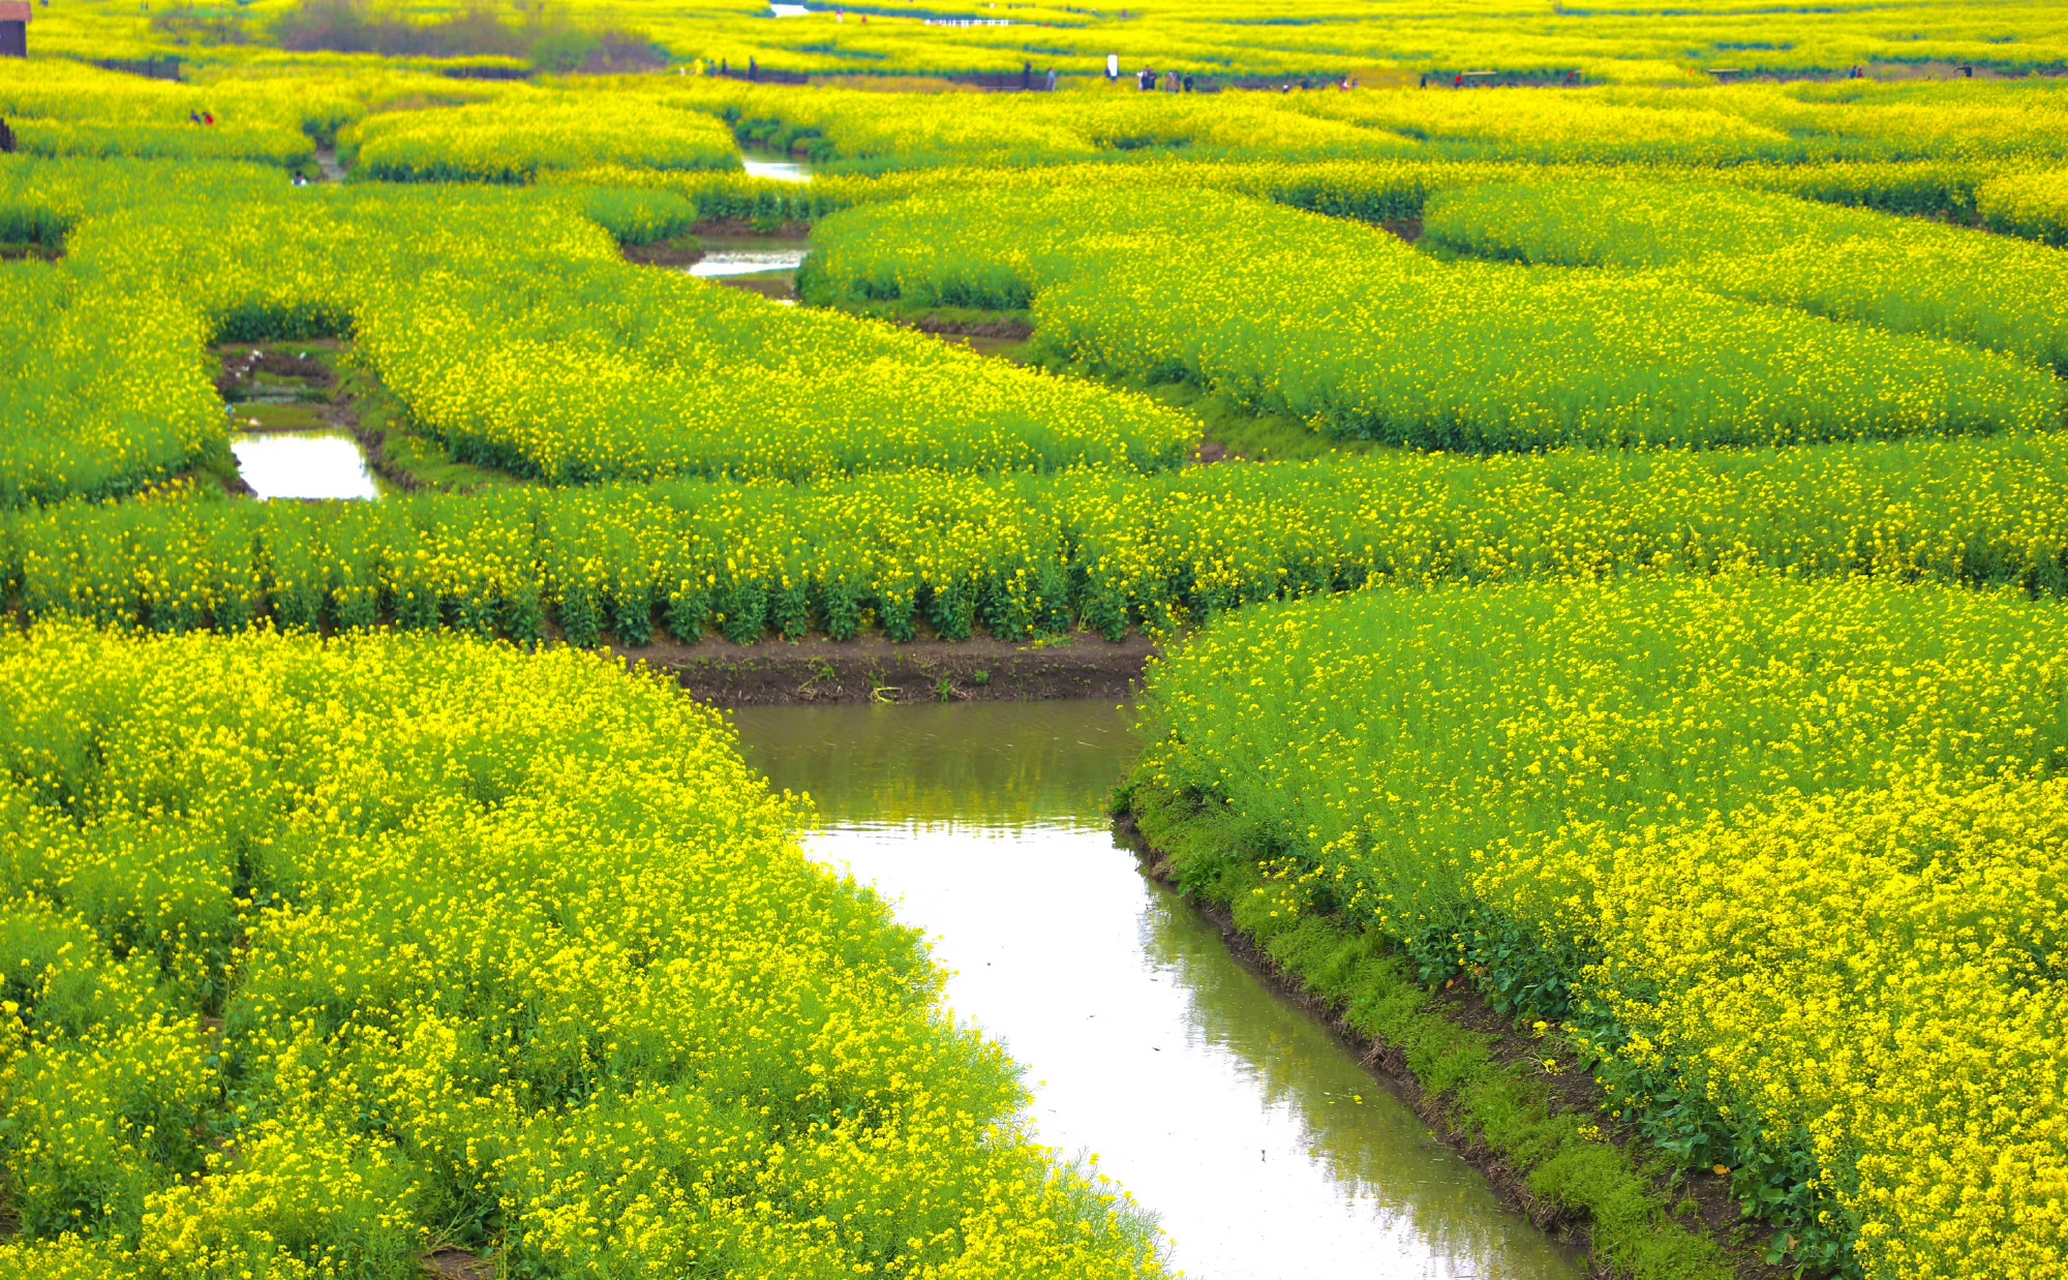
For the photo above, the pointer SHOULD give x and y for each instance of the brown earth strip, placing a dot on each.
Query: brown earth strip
(665, 253)
(1017, 330)
(873, 669)
(343, 411)
(458, 1264)
(1703, 1198)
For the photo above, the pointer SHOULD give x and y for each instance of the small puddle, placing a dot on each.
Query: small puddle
(1265, 1150)
(304, 465)
(774, 165)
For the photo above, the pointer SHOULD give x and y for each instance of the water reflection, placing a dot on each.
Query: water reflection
(304, 465)
(720, 261)
(980, 764)
(775, 165)
(1252, 1133)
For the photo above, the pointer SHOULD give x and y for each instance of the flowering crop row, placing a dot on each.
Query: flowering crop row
(1025, 555)
(1782, 856)
(323, 956)
(511, 139)
(92, 407)
(64, 108)
(2028, 204)
(1388, 42)
(1361, 336)
(507, 324)
(1848, 264)
(2019, 122)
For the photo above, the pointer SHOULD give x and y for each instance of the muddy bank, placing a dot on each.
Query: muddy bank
(664, 253)
(1701, 1202)
(873, 669)
(1015, 330)
(297, 387)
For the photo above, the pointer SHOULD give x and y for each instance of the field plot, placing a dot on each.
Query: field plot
(345, 929)
(1590, 491)
(1777, 860)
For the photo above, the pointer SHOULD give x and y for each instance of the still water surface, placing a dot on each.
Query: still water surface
(1262, 1147)
(731, 259)
(775, 165)
(304, 465)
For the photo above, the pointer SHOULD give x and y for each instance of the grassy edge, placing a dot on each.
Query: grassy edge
(1566, 1175)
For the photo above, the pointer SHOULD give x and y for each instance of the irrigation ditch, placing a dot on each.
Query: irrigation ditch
(915, 798)
(1489, 1088)
(1267, 1150)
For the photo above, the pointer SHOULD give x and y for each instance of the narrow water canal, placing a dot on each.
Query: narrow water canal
(1263, 1148)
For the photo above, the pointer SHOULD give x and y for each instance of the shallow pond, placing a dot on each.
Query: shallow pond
(304, 465)
(1261, 1145)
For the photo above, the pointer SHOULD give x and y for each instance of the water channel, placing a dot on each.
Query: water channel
(1264, 1149)
(761, 255)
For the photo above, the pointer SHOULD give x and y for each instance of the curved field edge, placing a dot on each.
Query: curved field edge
(338, 954)
(1624, 1202)
(1779, 856)
(1024, 557)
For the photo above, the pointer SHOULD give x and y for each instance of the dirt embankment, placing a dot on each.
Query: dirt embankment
(1703, 1200)
(873, 669)
(664, 253)
(1015, 330)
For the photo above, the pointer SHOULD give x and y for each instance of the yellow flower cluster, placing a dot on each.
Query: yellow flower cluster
(1350, 329)
(64, 108)
(1848, 264)
(1018, 556)
(1977, 123)
(1791, 845)
(2028, 204)
(1390, 39)
(1879, 970)
(322, 956)
(510, 327)
(513, 137)
(94, 407)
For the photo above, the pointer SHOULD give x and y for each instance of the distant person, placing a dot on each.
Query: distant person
(208, 118)
(194, 117)
(1425, 80)
(301, 179)
(1051, 79)
(6, 139)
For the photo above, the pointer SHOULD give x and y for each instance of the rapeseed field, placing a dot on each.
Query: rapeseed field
(1594, 481)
